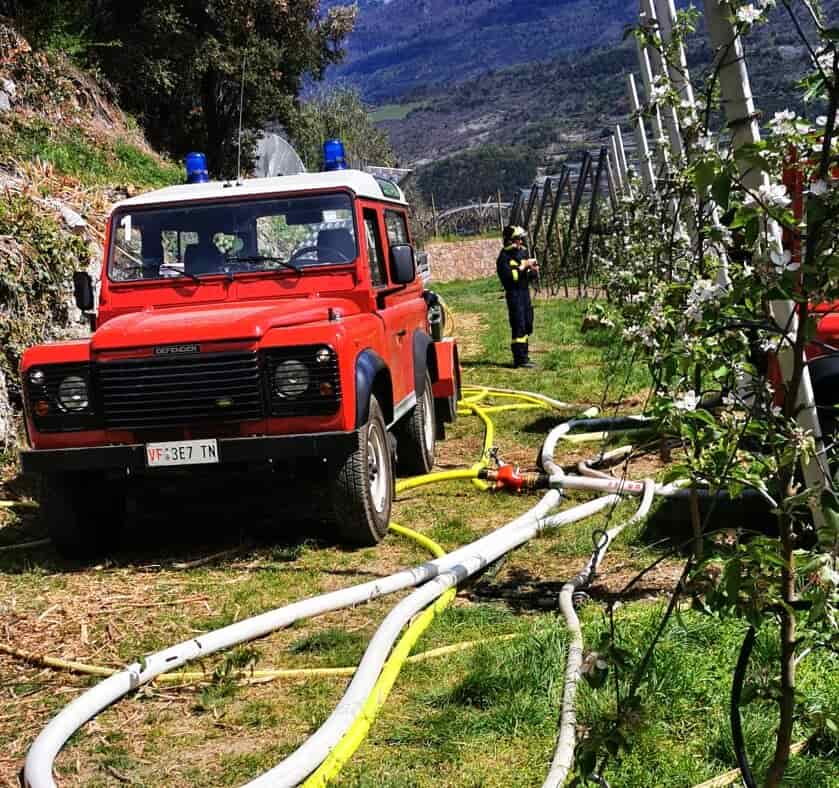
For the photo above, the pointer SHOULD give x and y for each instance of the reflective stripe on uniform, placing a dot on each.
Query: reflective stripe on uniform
(522, 340)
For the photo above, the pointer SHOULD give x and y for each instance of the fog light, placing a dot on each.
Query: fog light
(72, 393)
(42, 408)
(326, 390)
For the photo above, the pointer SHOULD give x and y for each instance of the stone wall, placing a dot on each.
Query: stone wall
(463, 259)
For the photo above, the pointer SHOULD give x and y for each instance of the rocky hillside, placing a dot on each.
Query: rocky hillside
(66, 154)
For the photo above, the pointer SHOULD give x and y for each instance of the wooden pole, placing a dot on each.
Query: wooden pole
(434, 217)
(563, 179)
(616, 160)
(644, 157)
(624, 168)
(738, 103)
(596, 178)
(531, 202)
(677, 67)
(500, 213)
(655, 113)
(671, 118)
(610, 180)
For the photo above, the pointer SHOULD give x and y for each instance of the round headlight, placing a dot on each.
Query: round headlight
(291, 379)
(323, 356)
(37, 376)
(72, 393)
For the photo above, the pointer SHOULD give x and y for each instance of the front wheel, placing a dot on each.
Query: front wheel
(84, 512)
(362, 489)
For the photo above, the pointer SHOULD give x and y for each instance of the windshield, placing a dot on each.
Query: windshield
(229, 238)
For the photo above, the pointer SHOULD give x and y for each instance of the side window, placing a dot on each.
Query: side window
(374, 249)
(397, 228)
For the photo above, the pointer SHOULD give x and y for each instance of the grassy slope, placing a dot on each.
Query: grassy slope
(484, 718)
(101, 161)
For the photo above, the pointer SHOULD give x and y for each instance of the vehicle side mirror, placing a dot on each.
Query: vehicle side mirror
(83, 290)
(403, 269)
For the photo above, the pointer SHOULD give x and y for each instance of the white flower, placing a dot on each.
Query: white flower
(730, 399)
(694, 313)
(747, 269)
(748, 14)
(704, 142)
(657, 93)
(818, 188)
(821, 120)
(773, 194)
(825, 62)
(781, 260)
(687, 402)
(783, 122)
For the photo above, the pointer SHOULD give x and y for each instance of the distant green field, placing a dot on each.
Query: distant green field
(395, 111)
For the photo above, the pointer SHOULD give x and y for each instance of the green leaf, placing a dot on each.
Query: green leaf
(721, 190)
(732, 579)
(704, 174)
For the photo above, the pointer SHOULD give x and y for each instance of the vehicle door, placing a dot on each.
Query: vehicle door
(373, 235)
(406, 310)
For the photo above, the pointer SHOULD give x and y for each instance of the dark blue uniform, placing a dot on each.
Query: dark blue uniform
(517, 292)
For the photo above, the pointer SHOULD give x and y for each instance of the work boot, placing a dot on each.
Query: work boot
(527, 361)
(520, 355)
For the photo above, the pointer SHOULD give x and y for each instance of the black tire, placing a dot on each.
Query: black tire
(362, 489)
(84, 512)
(417, 434)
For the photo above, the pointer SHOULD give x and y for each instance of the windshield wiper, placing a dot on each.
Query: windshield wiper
(179, 271)
(264, 258)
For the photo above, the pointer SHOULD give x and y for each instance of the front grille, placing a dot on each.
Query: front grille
(160, 392)
(317, 392)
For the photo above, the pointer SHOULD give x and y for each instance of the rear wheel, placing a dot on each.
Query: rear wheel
(362, 489)
(84, 512)
(417, 434)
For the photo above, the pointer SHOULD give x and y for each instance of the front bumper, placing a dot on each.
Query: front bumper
(334, 446)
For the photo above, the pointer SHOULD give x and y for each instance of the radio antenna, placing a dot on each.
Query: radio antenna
(241, 107)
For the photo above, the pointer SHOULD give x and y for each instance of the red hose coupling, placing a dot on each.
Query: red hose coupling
(509, 477)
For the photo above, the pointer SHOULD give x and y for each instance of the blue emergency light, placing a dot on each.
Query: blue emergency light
(333, 155)
(196, 168)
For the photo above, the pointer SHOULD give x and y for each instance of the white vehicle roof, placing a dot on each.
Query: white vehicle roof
(361, 183)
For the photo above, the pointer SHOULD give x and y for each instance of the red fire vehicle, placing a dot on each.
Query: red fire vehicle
(277, 322)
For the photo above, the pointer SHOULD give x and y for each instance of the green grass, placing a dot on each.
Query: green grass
(93, 163)
(574, 367)
(394, 111)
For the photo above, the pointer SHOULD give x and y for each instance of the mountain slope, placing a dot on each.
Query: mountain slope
(402, 45)
(566, 102)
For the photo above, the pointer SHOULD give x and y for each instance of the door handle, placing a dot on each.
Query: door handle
(402, 332)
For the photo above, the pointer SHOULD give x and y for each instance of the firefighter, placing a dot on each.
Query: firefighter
(515, 271)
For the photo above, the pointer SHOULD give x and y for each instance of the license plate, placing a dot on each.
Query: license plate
(198, 452)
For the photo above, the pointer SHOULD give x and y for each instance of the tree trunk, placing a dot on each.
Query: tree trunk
(786, 702)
